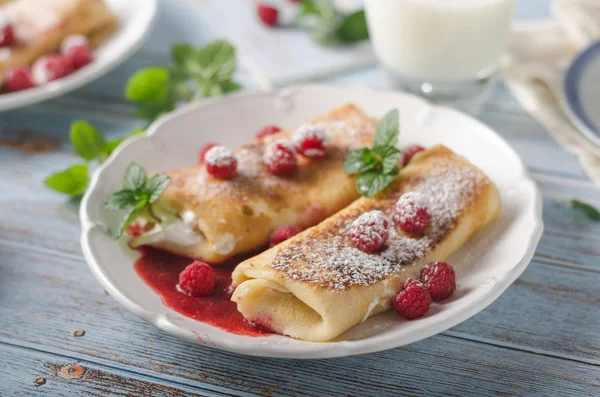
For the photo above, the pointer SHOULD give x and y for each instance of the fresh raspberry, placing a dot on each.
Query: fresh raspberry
(282, 233)
(220, 162)
(411, 213)
(310, 141)
(7, 34)
(77, 49)
(280, 158)
(268, 130)
(197, 279)
(49, 68)
(370, 231)
(409, 152)
(268, 15)
(204, 150)
(413, 301)
(18, 79)
(440, 279)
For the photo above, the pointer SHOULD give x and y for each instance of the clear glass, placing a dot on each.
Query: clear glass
(447, 51)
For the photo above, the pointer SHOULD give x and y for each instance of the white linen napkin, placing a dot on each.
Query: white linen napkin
(538, 54)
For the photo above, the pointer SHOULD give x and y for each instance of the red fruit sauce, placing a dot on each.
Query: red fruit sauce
(160, 270)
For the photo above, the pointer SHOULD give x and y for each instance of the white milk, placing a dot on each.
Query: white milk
(439, 40)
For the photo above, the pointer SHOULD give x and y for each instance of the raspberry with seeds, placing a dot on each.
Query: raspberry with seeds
(268, 15)
(370, 231)
(77, 49)
(280, 158)
(18, 79)
(267, 130)
(197, 279)
(220, 162)
(440, 280)
(310, 141)
(7, 33)
(413, 301)
(50, 67)
(282, 233)
(204, 150)
(411, 213)
(409, 152)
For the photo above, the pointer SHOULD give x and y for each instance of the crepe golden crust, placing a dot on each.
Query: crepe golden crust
(248, 207)
(316, 285)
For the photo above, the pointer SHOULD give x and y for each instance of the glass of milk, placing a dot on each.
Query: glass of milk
(444, 50)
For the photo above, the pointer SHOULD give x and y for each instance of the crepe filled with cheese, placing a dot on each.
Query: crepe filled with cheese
(224, 217)
(317, 285)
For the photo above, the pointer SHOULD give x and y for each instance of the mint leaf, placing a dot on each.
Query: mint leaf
(132, 214)
(156, 185)
(390, 156)
(148, 85)
(228, 86)
(372, 182)
(135, 177)
(184, 55)
(306, 8)
(360, 160)
(87, 140)
(217, 61)
(353, 27)
(121, 200)
(387, 129)
(208, 88)
(587, 210)
(72, 181)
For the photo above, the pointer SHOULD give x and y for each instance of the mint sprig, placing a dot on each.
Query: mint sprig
(136, 196)
(586, 210)
(376, 167)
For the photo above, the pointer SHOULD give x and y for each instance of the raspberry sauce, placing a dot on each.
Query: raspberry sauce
(160, 270)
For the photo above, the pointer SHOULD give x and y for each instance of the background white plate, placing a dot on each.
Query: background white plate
(487, 264)
(135, 20)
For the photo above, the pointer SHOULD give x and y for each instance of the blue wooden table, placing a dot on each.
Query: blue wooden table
(540, 338)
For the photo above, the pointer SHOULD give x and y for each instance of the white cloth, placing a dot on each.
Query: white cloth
(538, 54)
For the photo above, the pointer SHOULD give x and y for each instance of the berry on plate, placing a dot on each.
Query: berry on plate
(310, 141)
(282, 233)
(268, 15)
(204, 150)
(411, 213)
(409, 152)
(18, 79)
(370, 231)
(440, 280)
(77, 49)
(197, 279)
(7, 34)
(49, 68)
(280, 158)
(267, 130)
(413, 301)
(220, 162)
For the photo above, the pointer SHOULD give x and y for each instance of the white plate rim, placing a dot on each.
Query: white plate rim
(87, 74)
(288, 351)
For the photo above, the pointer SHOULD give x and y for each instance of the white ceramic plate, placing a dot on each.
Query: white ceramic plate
(490, 262)
(136, 17)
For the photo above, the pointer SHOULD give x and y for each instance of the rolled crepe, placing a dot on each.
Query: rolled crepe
(317, 285)
(237, 215)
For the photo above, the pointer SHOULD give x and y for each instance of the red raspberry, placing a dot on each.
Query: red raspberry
(77, 49)
(440, 279)
(49, 68)
(7, 34)
(409, 152)
(18, 79)
(197, 279)
(280, 158)
(310, 142)
(268, 130)
(268, 15)
(204, 150)
(413, 301)
(411, 213)
(220, 162)
(137, 229)
(370, 231)
(282, 233)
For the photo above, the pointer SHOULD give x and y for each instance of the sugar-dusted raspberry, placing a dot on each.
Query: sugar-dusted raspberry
(409, 152)
(268, 15)
(411, 213)
(49, 68)
(440, 279)
(77, 49)
(204, 150)
(282, 233)
(220, 162)
(280, 158)
(18, 79)
(267, 130)
(197, 279)
(413, 301)
(137, 229)
(310, 141)
(370, 231)
(7, 33)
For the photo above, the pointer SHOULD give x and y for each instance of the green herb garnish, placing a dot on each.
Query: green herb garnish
(377, 166)
(587, 210)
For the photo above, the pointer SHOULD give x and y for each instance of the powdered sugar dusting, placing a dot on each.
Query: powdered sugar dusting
(408, 204)
(220, 156)
(309, 131)
(328, 259)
